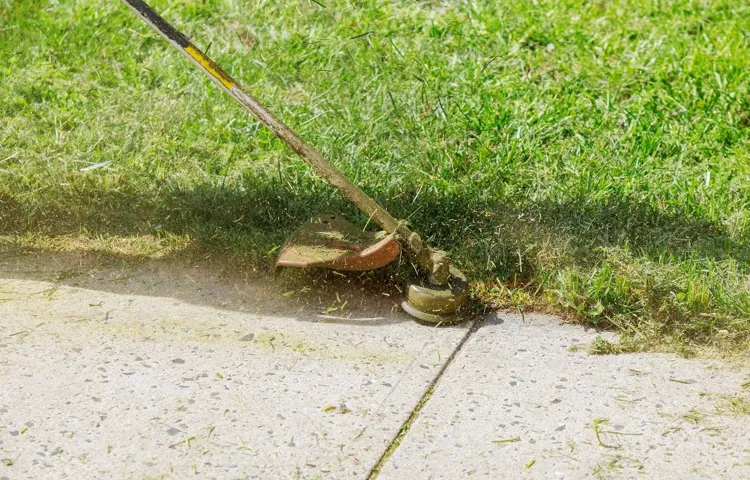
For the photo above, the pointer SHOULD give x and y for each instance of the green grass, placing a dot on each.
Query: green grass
(587, 158)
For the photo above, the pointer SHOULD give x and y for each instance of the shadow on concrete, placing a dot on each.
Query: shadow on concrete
(312, 296)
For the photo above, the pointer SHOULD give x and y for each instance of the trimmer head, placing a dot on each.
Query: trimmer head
(329, 241)
(437, 304)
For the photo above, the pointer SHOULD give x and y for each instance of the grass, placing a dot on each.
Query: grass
(588, 158)
(601, 346)
(734, 404)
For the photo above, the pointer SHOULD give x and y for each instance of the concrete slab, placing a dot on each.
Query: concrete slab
(518, 403)
(162, 372)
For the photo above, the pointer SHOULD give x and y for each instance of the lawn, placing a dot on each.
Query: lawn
(586, 158)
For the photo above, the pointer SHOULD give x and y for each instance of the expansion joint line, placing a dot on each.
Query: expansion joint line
(404, 430)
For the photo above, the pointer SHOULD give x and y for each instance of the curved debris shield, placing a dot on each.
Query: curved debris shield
(332, 242)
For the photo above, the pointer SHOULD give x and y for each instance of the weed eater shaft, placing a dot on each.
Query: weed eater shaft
(434, 261)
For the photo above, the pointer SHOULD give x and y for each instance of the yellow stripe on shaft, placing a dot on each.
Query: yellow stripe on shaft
(210, 66)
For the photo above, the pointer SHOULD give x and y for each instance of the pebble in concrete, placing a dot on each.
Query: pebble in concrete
(521, 400)
(157, 375)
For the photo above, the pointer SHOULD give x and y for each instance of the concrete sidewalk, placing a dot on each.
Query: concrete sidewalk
(158, 371)
(522, 401)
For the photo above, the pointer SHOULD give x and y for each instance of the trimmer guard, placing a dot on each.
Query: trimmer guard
(332, 242)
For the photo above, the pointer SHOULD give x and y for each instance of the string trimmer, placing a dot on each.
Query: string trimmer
(329, 241)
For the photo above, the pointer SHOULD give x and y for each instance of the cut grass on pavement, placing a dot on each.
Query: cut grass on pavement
(589, 158)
